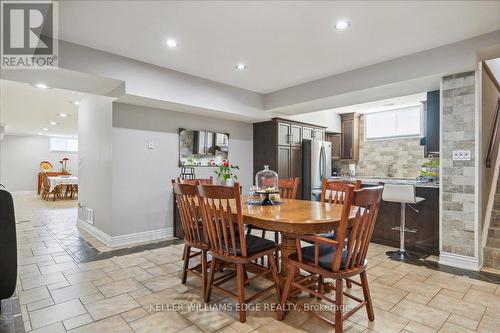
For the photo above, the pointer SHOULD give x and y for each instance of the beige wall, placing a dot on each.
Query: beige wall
(20, 158)
(142, 193)
(489, 100)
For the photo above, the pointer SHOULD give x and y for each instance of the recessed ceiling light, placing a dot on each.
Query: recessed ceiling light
(241, 67)
(45, 129)
(342, 25)
(172, 43)
(40, 133)
(53, 123)
(75, 102)
(62, 114)
(42, 86)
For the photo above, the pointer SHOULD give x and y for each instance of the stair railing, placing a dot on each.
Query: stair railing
(493, 136)
(496, 172)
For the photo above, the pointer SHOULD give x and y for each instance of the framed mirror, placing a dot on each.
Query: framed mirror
(202, 148)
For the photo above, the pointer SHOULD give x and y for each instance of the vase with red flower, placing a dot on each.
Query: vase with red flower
(225, 173)
(64, 165)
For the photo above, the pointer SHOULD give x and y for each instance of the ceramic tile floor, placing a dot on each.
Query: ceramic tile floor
(141, 292)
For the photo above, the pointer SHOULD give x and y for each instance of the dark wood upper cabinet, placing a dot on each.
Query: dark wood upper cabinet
(313, 133)
(335, 140)
(283, 134)
(432, 123)
(278, 143)
(307, 132)
(349, 136)
(319, 134)
(284, 155)
(296, 135)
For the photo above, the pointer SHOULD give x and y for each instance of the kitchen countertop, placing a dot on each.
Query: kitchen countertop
(387, 180)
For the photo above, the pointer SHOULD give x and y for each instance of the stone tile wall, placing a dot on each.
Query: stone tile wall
(405, 155)
(458, 177)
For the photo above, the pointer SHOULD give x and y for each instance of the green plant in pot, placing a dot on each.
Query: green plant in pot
(225, 173)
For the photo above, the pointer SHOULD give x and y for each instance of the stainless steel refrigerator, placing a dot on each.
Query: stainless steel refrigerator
(316, 165)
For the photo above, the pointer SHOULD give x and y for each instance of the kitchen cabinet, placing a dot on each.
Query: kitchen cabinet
(313, 133)
(425, 222)
(350, 136)
(432, 124)
(278, 143)
(289, 134)
(335, 140)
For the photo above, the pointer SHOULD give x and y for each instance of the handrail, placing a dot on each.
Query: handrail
(493, 136)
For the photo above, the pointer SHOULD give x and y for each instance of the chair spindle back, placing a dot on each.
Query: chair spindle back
(359, 231)
(331, 190)
(218, 204)
(186, 198)
(289, 187)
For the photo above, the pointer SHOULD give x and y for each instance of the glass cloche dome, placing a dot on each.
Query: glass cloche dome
(267, 180)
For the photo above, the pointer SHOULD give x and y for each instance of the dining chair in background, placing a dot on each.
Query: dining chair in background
(288, 190)
(194, 234)
(46, 191)
(197, 181)
(339, 259)
(330, 192)
(223, 220)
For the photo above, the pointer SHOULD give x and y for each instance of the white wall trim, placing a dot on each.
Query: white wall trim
(477, 164)
(123, 240)
(441, 141)
(459, 261)
(91, 229)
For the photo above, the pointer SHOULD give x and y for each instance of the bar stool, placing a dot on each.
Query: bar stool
(403, 194)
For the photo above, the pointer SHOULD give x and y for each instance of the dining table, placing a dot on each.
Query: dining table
(293, 216)
(62, 180)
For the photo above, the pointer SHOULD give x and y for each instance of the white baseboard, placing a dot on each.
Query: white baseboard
(123, 240)
(459, 261)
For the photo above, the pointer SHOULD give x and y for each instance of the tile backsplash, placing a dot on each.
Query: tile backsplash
(376, 157)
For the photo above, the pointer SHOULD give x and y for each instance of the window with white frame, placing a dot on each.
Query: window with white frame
(63, 144)
(399, 123)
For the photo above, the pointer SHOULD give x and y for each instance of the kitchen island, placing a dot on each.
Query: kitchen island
(424, 223)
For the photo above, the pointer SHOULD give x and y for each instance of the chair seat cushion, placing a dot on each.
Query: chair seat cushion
(326, 254)
(329, 235)
(254, 244)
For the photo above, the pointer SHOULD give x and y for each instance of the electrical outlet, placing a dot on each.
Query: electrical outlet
(461, 155)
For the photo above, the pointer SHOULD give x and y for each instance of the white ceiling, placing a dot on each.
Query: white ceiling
(494, 66)
(283, 43)
(384, 104)
(26, 110)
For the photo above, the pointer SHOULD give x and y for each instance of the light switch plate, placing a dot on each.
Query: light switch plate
(151, 144)
(461, 155)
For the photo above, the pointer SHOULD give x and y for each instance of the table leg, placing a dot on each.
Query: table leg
(39, 185)
(288, 247)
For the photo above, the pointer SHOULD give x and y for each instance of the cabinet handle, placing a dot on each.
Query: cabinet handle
(350, 152)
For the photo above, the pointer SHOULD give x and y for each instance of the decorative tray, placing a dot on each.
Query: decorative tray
(261, 203)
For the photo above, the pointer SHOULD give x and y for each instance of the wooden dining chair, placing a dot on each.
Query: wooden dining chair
(288, 190)
(194, 234)
(197, 181)
(339, 259)
(330, 192)
(223, 220)
(46, 191)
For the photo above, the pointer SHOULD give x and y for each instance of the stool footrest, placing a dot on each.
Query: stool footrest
(406, 229)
